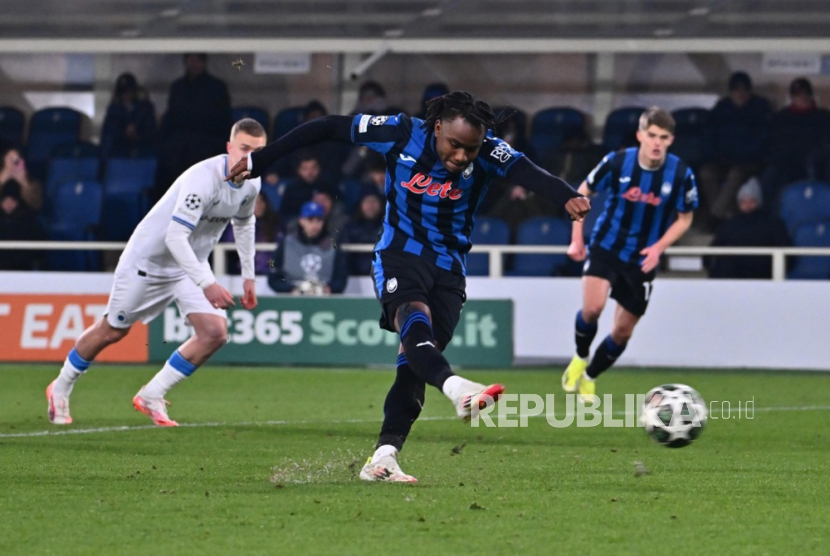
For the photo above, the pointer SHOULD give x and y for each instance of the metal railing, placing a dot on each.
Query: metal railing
(496, 252)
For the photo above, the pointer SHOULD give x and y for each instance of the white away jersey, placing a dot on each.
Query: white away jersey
(201, 201)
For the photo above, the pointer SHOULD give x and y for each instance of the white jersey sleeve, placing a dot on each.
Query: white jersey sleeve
(197, 192)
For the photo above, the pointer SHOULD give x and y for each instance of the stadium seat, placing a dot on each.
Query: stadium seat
(551, 128)
(511, 113)
(541, 231)
(49, 128)
(804, 202)
(812, 234)
(127, 182)
(487, 231)
(72, 161)
(286, 120)
(77, 213)
(621, 128)
(252, 112)
(692, 136)
(12, 122)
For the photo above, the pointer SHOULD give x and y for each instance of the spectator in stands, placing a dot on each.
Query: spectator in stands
(751, 227)
(364, 228)
(196, 122)
(13, 168)
(18, 222)
(740, 126)
(301, 189)
(431, 91)
(267, 230)
(335, 213)
(798, 132)
(371, 99)
(307, 261)
(130, 124)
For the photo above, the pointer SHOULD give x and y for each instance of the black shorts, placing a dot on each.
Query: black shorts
(402, 277)
(630, 286)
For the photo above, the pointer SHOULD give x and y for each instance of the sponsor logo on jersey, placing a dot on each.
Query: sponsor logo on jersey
(406, 158)
(193, 201)
(691, 196)
(503, 152)
(636, 195)
(425, 185)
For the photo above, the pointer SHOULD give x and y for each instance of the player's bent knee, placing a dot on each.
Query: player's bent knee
(110, 334)
(591, 313)
(213, 334)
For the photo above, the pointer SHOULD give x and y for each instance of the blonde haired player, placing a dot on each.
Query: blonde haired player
(166, 260)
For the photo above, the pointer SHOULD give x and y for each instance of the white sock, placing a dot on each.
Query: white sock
(455, 386)
(385, 450)
(68, 375)
(164, 380)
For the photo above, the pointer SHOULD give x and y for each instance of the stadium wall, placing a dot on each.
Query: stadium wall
(689, 323)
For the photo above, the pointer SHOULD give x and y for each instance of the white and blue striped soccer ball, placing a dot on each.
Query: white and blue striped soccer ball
(674, 415)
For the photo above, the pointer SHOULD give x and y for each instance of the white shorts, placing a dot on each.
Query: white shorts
(138, 297)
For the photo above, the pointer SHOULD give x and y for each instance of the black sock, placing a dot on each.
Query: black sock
(424, 357)
(585, 333)
(605, 356)
(402, 406)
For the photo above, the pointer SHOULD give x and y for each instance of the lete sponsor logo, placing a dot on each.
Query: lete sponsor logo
(636, 195)
(45, 327)
(425, 185)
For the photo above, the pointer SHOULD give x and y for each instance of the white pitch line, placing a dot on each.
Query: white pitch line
(512, 417)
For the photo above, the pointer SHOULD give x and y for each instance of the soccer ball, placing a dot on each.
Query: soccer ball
(674, 415)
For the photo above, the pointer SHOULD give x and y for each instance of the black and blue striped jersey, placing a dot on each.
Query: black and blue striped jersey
(641, 203)
(429, 211)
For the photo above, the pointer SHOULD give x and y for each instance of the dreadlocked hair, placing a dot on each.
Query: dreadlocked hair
(459, 103)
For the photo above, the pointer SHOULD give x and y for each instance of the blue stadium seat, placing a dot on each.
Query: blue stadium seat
(127, 182)
(487, 231)
(252, 112)
(286, 120)
(77, 213)
(692, 136)
(72, 161)
(803, 202)
(274, 194)
(49, 128)
(541, 231)
(621, 128)
(812, 234)
(12, 122)
(552, 127)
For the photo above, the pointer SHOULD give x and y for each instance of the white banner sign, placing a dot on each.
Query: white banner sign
(282, 62)
(796, 63)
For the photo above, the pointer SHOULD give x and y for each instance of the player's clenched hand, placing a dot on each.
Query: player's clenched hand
(239, 172)
(652, 258)
(576, 251)
(218, 296)
(578, 207)
(249, 294)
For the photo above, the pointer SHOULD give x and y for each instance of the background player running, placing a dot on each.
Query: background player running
(166, 260)
(647, 188)
(438, 171)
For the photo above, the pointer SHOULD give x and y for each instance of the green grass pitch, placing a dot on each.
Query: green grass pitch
(268, 465)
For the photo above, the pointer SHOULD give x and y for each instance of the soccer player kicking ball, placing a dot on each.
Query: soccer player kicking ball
(438, 171)
(647, 189)
(166, 260)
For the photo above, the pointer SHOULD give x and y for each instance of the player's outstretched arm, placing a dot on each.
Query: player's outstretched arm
(526, 173)
(673, 233)
(336, 128)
